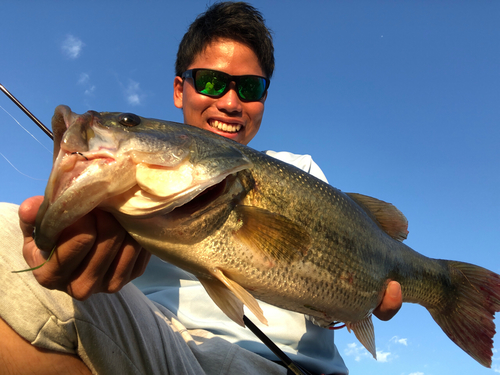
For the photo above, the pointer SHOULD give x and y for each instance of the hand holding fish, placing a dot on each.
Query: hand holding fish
(93, 255)
(391, 302)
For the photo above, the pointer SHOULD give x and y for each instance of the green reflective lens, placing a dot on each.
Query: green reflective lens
(251, 88)
(215, 84)
(210, 82)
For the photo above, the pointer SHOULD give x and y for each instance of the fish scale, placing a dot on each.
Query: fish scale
(249, 226)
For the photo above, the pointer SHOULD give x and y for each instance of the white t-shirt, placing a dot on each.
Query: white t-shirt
(180, 292)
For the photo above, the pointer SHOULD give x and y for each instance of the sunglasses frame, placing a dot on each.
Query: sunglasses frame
(191, 73)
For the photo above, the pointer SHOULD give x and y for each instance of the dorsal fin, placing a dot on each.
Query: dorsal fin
(388, 218)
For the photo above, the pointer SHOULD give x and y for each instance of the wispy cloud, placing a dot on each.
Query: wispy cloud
(383, 356)
(417, 373)
(356, 351)
(72, 46)
(359, 353)
(133, 93)
(84, 80)
(397, 340)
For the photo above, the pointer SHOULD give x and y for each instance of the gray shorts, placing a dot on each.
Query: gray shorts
(121, 333)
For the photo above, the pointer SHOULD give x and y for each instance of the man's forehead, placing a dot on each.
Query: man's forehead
(225, 53)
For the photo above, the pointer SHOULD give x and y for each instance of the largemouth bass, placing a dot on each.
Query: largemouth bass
(251, 227)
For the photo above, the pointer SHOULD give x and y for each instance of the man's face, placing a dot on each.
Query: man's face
(228, 115)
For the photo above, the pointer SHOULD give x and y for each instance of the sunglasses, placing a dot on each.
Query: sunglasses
(215, 84)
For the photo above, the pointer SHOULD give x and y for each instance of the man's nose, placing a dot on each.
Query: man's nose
(230, 102)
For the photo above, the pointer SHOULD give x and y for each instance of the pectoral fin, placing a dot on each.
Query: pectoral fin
(241, 294)
(272, 234)
(365, 333)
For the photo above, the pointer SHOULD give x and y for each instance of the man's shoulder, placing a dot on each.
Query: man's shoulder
(302, 161)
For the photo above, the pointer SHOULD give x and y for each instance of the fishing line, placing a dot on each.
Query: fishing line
(26, 130)
(28, 113)
(25, 175)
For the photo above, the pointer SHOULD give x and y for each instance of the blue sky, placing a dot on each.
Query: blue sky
(397, 100)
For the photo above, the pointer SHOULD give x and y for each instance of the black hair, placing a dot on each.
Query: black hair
(238, 21)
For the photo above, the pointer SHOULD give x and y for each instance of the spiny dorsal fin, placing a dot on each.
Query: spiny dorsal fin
(273, 235)
(365, 333)
(388, 218)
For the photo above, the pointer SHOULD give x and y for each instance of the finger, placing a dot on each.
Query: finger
(29, 209)
(73, 246)
(122, 269)
(141, 264)
(27, 217)
(391, 303)
(90, 276)
(34, 257)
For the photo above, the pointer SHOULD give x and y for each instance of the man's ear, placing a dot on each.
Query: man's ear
(178, 91)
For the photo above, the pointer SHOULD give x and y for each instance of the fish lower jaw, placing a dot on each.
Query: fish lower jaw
(224, 126)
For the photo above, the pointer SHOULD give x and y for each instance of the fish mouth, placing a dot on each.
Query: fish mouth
(224, 126)
(197, 205)
(145, 172)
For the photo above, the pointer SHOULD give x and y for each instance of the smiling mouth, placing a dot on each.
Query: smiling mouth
(224, 126)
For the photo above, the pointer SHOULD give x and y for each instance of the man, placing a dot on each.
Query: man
(125, 332)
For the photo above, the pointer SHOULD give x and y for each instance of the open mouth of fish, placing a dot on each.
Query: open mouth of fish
(130, 167)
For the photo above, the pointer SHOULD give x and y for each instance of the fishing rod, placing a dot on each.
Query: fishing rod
(45, 129)
(292, 366)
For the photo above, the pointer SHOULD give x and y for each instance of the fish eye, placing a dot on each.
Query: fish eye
(129, 119)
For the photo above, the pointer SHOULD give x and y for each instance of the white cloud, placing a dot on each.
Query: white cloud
(356, 351)
(133, 93)
(397, 340)
(72, 46)
(84, 78)
(417, 373)
(359, 352)
(383, 356)
(84, 81)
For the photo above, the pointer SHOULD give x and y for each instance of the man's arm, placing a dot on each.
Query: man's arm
(18, 356)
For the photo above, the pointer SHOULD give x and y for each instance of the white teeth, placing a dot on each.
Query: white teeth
(225, 127)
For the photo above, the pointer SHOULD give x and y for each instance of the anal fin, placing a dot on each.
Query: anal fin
(365, 333)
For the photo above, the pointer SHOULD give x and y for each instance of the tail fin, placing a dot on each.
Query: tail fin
(468, 321)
